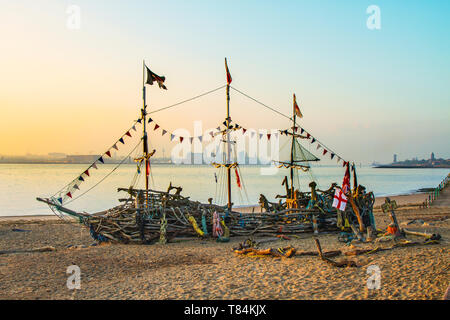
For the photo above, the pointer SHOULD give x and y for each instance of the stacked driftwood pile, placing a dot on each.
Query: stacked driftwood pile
(160, 216)
(147, 217)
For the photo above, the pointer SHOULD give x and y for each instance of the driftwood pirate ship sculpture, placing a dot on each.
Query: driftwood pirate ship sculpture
(146, 215)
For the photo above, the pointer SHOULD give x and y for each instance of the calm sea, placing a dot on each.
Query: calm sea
(20, 184)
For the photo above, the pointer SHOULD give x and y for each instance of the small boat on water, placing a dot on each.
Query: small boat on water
(146, 216)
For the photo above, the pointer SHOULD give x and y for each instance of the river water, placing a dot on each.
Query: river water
(20, 184)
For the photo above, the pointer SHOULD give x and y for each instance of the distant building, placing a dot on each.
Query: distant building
(432, 157)
(395, 158)
(56, 155)
(88, 158)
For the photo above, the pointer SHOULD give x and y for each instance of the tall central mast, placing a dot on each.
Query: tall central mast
(292, 157)
(144, 134)
(228, 137)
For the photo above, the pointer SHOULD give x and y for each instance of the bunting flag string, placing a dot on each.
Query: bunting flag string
(67, 192)
(212, 133)
(235, 126)
(319, 144)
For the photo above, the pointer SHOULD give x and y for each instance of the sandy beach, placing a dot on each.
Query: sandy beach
(205, 269)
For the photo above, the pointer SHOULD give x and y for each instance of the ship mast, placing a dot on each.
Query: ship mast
(292, 156)
(144, 133)
(228, 139)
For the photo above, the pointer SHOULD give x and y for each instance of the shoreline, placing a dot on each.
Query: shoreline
(410, 199)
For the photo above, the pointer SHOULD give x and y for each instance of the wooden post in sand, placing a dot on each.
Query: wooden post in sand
(389, 207)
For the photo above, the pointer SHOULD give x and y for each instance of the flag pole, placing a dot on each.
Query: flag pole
(144, 134)
(228, 141)
(292, 153)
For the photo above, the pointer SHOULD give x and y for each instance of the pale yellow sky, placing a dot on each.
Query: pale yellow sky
(77, 91)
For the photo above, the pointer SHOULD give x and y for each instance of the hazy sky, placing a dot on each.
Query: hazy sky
(365, 93)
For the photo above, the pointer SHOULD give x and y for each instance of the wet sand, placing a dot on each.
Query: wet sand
(205, 269)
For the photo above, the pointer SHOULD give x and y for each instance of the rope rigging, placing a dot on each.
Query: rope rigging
(137, 176)
(187, 100)
(106, 176)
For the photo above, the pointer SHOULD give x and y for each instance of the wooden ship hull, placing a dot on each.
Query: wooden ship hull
(146, 216)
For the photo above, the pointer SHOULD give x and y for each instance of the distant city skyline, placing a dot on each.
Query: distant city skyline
(366, 93)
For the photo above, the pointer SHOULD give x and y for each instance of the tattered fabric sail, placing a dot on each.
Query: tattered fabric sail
(300, 155)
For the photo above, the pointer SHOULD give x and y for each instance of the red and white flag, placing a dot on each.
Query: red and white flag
(339, 200)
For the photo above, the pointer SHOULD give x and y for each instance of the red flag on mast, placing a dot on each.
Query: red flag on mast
(346, 181)
(229, 79)
(297, 109)
(238, 180)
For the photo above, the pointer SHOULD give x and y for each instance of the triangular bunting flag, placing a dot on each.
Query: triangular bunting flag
(308, 135)
(128, 133)
(86, 172)
(69, 194)
(325, 151)
(150, 120)
(101, 160)
(121, 140)
(191, 139)
(200, 138)
(253, 134)
(60, 200)
(115, 146)
(332, 156)
(302, 130)
(171, 137)
(181, 139)
(318, 147)
(156, 126)
(218, 128)
(80, 178)
(164, 132)
(139, 120)
(108, 153)
(268, 136)
(344, 163)
(75, 186)
(212, 134)
(313, 140)
(94, 166)
(134, 128)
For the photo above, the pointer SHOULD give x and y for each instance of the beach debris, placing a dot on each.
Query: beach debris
(428, 236)
(341, 264)
(39, 249)
(74, 247)
(19, 230)
(286, 252)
